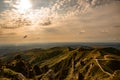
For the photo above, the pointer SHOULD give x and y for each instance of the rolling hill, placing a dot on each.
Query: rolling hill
(62, 63)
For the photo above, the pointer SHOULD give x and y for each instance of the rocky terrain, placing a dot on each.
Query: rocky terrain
(62, 63)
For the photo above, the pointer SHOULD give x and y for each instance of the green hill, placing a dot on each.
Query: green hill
(62, 63)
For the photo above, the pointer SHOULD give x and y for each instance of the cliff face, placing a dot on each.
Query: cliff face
(63, 63)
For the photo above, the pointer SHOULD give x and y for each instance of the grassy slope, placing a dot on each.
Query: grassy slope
(74, 64)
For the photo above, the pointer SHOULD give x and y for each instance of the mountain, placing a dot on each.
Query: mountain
(62, 63)
(12, 48)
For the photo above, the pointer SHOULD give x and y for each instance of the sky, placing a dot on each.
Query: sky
(38, 21)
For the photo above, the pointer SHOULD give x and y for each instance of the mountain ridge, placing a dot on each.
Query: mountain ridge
(67, 63)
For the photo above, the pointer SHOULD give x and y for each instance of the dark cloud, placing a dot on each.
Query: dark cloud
(4, 26)
(16, 23)
(25, 36)
(46, 23)
(117, 26)
(51, 30)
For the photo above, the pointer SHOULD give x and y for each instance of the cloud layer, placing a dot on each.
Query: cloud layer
(45, 15)
(62, 20)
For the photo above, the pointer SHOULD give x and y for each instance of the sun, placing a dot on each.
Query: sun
(23, 5)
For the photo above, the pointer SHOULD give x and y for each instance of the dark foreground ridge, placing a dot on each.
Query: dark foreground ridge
(62, 63)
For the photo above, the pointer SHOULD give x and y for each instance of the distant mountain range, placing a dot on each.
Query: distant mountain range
(12, 48)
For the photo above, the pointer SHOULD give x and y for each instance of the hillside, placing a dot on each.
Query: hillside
(62, 63)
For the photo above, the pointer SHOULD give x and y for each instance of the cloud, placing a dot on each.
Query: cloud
(104, 31)
(14, 19)
(1, 32)
(8, 34)
(116, 26)
(65, 20)
(82, 31)
(7, 1)
(51, 30)
(46, 23)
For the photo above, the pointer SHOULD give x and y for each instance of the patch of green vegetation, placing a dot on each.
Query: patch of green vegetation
(5, 79)
(65, 63)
